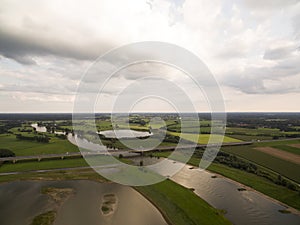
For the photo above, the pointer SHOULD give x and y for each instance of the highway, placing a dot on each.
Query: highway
(116, 153)
(67, 155)
(124, 152)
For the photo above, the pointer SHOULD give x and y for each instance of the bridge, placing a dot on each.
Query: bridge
(116, 153)
(67, 155)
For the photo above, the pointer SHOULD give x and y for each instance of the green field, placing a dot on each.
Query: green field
(42, 165)
(259, 133)
(26, 147)
(202, 138)
(78, 174)
(281, 166)
(181, 206)
(249, 137)
(289, 149)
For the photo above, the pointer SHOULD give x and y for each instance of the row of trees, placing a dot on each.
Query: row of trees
(6, 153)
(238, 163)
(38, 138)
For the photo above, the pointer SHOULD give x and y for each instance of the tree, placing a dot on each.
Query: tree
(141, 163)
(6, 153)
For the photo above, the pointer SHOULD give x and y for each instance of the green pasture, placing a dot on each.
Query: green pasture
(27, 147)
(181, 206)
(281, 166)
(202, 138)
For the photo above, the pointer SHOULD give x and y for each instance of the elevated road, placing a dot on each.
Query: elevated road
(116, 153)
(124, 152)
(67, 155)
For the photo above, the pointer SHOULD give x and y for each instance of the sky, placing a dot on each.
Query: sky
(252, 48)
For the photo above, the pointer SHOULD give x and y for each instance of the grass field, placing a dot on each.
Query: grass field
(259, 133)
(78, 174)
(249, 137)
(288, 148)
(283, 167)
(202, 138)
(26, 147)
(42, 165)
(181, 206)
(283, 145)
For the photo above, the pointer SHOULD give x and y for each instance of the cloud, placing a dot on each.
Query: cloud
(280, 52)
(72, 29)
(269, 4)
(251, 46)
(281, 77)
(22, 46)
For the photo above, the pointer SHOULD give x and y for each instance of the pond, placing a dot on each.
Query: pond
(39, 128)
(124, 134)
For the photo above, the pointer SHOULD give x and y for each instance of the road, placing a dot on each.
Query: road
(125, 153)
(66, 155)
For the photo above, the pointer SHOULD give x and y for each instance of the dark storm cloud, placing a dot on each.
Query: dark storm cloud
(22, 47)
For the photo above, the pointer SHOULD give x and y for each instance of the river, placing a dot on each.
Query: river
(21, 201)
(243, 207)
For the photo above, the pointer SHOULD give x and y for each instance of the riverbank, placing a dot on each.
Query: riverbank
(277, 193)
(180, 205)
(248, 188)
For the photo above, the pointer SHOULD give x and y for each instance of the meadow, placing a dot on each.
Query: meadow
(203, 138)
(180, 205)
(26, 147)
(281, 166)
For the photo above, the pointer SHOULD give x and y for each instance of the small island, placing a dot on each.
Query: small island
(109, 204)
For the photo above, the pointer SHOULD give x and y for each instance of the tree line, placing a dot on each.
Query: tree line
(38, 138)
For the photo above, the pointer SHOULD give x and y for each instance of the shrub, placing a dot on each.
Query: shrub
(6, 153)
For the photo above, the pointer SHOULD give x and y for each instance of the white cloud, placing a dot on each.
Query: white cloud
(251, 46)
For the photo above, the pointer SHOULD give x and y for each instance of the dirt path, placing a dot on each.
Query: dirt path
(280, 154)
(295, 145)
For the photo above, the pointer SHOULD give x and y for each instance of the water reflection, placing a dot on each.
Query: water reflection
(124, 134)
(242, 207)
(21, 201)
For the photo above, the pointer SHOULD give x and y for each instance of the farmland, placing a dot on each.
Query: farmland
(281, 166)
(203, 138)
(266, 172)
(24, 147)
